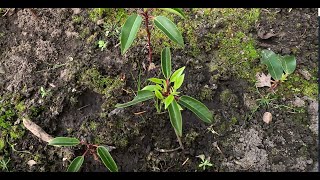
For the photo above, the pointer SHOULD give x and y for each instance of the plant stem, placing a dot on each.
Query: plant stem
(179, 140)
(146, 16)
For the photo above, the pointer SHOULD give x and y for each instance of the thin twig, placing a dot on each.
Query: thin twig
(167, 150)
(83, 107)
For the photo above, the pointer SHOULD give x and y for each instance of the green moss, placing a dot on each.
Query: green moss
(84, 33)
(20, 107)
(190, 137)
(2, 144)
(297, 85)
(227, 97)
(101, 84)
(93, 125)
(206, 93)
(77, 19)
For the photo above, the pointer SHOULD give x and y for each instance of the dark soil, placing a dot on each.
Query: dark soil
(35, 41)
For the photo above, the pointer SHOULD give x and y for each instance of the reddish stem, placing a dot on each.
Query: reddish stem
(146, 17)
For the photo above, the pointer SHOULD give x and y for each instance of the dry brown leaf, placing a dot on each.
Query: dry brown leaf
(36, 130)
(267, 117)
(266, 35)
(263, 80)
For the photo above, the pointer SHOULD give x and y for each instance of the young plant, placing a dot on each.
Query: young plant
(4, 164)
(279, 66)
(43, 92)
(102, 44)
(166, 95)
(93, 149)
(204, 162)
(165, 25)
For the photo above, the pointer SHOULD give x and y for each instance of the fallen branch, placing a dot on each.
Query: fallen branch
(36, 130)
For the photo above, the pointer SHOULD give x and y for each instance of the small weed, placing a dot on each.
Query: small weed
(102, 44)
(205, 162)
(44, 92)
(4, 164)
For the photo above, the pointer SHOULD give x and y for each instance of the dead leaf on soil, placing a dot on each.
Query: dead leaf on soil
(267, 117)
(263, 80)
(265, 35)
(36, 130)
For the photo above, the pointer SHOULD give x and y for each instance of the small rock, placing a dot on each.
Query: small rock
(305, 74)
(10, 88)
(31, 163)
(2, 70)
(24, 33)
(298, 102)
(76, 10)
(100, 21)
(267, 117)
(116, 112)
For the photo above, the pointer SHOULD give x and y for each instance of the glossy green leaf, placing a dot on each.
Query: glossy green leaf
(176, 74)
(178, 82)
(175, 117)
(156, 80)
(158, 94)
(197, 108)
(177, 11)
(289, 64)
(107, 159)
(129, 31)
(76, 164)
(152, 87)
(273, 63)
(142, 95)
(166, 62)
(64, 141)
(180, 108)
(167, 101)
(169, 29)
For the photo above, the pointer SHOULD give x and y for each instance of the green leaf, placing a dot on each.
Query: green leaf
(289, 64)
(158, 94)
(180, 108)
(168, 101)
(273, 63)
(156, 80)
(197, 108)
(176, 74)
(142, 95)
(178, 82)
(169, 29)
(177, 11)
(175, 117)
(129, 31)
(166, 62)
(152, 87)
(107, 159)
(76, 164)
(64, 141)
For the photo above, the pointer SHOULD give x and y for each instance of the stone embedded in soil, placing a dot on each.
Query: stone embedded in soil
(298, 102)
(267, 117)
(313, 115)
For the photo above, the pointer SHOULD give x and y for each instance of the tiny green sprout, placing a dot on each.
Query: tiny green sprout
(279, 67)
(205, 162)
(265, 101)
(4, 164)
(43, 92)
(166, 95)
(102, 44)
(131, 26)
(93, 149)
